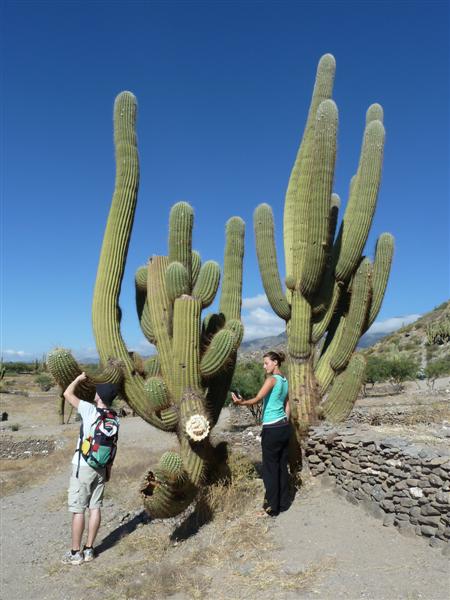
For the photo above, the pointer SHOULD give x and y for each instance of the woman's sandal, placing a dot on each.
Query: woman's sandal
(266, 513)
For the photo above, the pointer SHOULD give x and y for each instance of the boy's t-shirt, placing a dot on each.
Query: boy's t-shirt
(88, 413)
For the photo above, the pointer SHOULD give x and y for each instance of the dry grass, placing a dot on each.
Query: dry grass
(22, 473)
(224, 555)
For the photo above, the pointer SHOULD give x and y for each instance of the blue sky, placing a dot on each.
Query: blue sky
(223, 91)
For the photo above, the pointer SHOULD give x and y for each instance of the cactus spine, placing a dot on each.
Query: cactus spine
(331, 289)
(183, 387)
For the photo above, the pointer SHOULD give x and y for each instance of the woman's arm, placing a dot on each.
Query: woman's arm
(287, 407)
(69, 393)
(267, 386)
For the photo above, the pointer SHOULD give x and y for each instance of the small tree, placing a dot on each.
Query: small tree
(400, 370)
(437, 368)
(247, 380)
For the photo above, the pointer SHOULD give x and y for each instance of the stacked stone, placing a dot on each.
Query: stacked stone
(402, 483)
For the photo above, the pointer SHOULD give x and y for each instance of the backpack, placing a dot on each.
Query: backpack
(99, 448)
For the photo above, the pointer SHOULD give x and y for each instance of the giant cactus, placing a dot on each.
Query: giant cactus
(333, 293)
(184, 386)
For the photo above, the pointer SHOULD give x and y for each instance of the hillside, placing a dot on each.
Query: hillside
(410, 340)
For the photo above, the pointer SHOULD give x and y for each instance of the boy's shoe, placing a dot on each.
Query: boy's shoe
(73, 559)
(88, 554)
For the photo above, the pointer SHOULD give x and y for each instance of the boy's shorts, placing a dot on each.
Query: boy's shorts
(87, 489)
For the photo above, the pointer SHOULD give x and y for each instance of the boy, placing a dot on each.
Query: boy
(87, 485)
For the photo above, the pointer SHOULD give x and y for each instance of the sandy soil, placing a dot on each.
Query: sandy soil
(323, 547)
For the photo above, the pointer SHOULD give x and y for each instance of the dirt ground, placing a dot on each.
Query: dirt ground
(323, 547)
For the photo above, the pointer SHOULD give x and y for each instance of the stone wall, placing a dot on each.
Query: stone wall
(403, 483)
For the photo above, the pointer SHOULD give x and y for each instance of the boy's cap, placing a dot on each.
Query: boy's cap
(107, 391)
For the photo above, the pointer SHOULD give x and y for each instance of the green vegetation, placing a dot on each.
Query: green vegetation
(12, 368)
(437, 368)
(44, 381)
(401, 369)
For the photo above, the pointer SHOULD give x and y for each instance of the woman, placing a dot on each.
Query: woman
(275, 433)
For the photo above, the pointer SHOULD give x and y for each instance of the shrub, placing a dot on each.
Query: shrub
(44, 381)
(248, 378)
(377, 370)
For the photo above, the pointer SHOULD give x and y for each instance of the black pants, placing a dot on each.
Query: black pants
(275, 445)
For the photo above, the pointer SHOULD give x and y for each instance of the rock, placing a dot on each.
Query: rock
(416, 492)
(427, 530)
(431, 521)
(337, 462)
(408, 502)
(429, 511)
(442, 498)
(413, 482)
(401, 517)
(318, 469)
(314, 459)
(378, 493)
(435, 481)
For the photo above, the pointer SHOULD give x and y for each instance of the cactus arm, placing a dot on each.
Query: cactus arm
(299, 338)
(362, 202)
(381, 269)
(218, 353)
(320, 327)
(152, 366)
(319, 194)
(186, 347)
(267, 259)
(345, 390)
(324, 373)
(196, 266)
(231, 295)
(157, 393)
(180, 236)
(323, 88)
(140, 281)
(374, 113)
(207, 283)
(356, 318)
(326, 292)
(237, 329)
(177, 281)
(105, 309)
(161, 315)
(115, 245)
(64, 369)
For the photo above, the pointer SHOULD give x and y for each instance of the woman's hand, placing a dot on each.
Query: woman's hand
(236, 399)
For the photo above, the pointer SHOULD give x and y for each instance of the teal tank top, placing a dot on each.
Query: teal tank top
(273, 406)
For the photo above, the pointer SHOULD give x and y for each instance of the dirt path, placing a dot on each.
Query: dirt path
(343, 552)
